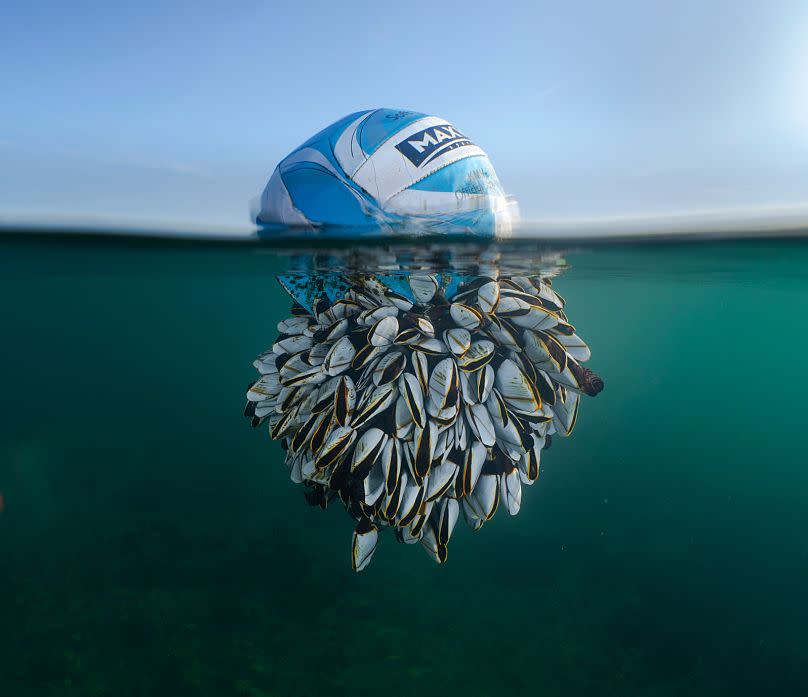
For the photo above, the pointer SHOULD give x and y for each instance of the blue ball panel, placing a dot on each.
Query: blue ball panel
(323, 198)
(382, 125)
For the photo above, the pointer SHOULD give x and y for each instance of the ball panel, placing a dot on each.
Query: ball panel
(322, 138)
(418, 150)
(472, 175)
(276, 204)
(382, 124)
(323, 198)
(345, 145)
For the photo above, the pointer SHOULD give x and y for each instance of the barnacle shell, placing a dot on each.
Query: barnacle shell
(414, 398)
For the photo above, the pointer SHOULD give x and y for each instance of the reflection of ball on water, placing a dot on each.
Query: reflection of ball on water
(386, 167)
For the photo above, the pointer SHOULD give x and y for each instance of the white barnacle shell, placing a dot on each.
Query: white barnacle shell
(414, 403)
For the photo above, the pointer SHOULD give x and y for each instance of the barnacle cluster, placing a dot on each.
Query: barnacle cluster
(413, 397)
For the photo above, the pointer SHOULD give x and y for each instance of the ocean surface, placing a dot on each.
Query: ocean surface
(152, 543)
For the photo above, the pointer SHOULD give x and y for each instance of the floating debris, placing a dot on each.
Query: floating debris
(413, 398)
(384, 171)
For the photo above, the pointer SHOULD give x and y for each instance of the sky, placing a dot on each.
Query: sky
(175, 113)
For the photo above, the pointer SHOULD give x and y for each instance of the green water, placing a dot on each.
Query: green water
(151, 543)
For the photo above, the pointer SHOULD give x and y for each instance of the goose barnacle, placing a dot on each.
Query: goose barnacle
(413, 398)
(384, 332)
(465, 316)
(457, 339)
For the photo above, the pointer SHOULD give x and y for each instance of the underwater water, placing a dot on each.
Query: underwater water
(152, 543)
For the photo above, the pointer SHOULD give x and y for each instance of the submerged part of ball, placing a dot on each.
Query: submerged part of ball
(388, 168)
(412, 398)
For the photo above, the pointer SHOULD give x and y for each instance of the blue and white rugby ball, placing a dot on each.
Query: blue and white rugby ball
(387, 167)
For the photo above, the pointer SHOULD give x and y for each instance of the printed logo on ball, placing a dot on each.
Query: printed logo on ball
(421, 147)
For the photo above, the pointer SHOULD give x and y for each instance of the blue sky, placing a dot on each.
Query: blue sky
(157, 112)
